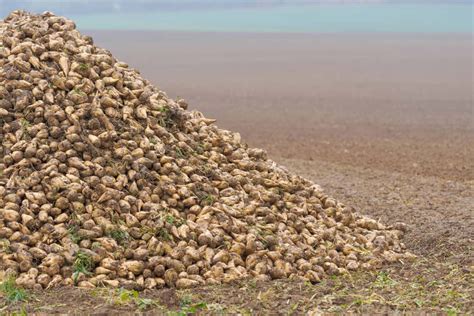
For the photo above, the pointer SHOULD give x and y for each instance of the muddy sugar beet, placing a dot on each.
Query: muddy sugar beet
(105, 181)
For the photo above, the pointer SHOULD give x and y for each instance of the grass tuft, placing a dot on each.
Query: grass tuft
(82, 264)
(170, 219)
(120, 236)
(5, 246)
(187, 307)
(12, 292)
(207, 199)
(384, 280)
(83, 67)
(126, 297)
(73, 235)
(180, 153)
(163, 234)
(146, 303)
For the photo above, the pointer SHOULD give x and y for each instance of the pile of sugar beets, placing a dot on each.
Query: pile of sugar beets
(105, 181)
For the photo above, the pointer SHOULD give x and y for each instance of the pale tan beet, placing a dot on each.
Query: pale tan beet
(107, 181)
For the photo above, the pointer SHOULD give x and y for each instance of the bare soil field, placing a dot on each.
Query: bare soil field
(383, 124)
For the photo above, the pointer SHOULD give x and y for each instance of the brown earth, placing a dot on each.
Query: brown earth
(383, 123)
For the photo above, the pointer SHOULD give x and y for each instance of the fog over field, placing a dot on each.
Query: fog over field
(97, 6)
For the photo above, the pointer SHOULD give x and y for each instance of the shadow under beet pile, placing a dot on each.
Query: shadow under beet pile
(107, 182)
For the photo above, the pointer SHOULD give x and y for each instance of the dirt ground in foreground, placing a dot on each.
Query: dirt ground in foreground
(392, 136)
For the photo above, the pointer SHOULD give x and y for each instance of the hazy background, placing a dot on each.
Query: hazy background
(260, 16)
(96, 6)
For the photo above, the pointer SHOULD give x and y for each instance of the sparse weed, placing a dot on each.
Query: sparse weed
(5, 246)
(180, 153)
(170, 219)
(11, 292)
(208, 199)
(206, 171)
(78, 91)
(383, 280)
(252, 283)
(188, 307)
(199, 149)
(21, 312)
(119, 235)
(293, 308)
(73, 235)
(419, 303)
(146, 303)
(165, 120)
(82, 264)
(116, 219)
(163, 234)
(453, 294)
(185, 300)
(24, 124)
(83, 67)
(125, 297)
(451, 311)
